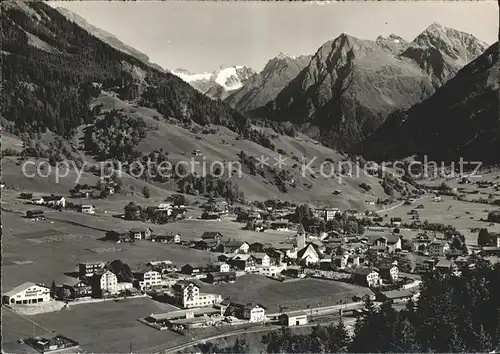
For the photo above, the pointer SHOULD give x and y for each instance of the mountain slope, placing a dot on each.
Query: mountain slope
(460, 120)
(220, 83)
(53, 68)
(348, 89)
(107, 37)
(265, 86)
(441, 52)
(351, 86)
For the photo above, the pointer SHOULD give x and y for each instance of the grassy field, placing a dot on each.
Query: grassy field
(106, 327)
(462, 215)
(294, 295)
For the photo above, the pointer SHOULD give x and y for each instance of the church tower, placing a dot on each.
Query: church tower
(301, 237)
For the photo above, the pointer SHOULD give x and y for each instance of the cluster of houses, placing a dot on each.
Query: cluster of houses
(143, 233)
(53, 201)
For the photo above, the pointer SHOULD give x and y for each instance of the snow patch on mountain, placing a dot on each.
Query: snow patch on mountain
(219, 83)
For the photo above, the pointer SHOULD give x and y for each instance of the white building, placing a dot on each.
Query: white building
(272, 270)
(188, 295)
(254, 313)
(438, 248)
(27, 294)
(149, 279)
(124, 286)
(293, 319)
(87, 209)
(108, 283)
(166, 207)
(55, 201)
(224, 268)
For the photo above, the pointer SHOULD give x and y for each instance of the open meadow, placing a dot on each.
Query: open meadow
(293, 295)
(106, 327)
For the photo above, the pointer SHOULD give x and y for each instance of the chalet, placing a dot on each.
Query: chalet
(235, 246)
(244, 262)
(191, 269)
(276, 256)
(163, 266)
(221, 277)
(393, 243)
(395, 296)
(165, 207)
(366, 277)
(37, 200)
(438, 248)
(329, 214)
(147, 277)
(339, 261)
(54, 200)
(308, 255)
(118, 237)
(35, 214)
(168, 238)
(325, 264)
(87, 209)
(143, 233)
(294, 272)
(396, 221)
(262, 259)
(207, 244)
(444, 266)
(254, 313)
(388, 271)
(78, 288)
(257, 247)
(210, 235)
(280, 226)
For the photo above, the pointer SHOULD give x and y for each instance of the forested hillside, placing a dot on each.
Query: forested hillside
(52, 68)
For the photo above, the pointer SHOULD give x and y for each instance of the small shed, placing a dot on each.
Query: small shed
(292, 319)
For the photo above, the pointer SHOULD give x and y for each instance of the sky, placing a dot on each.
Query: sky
(202, 36)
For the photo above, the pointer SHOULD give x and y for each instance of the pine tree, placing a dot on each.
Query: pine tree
(53, 289)
(342, 337)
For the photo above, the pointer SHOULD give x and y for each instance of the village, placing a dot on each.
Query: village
(345, 255)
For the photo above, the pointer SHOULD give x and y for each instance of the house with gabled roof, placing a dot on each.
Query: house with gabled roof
(141, 233)
(27, 294)
(366, 276)
(235, 246)
(211, 235)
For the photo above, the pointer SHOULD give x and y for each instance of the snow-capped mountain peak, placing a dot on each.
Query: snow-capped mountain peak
(218, 83)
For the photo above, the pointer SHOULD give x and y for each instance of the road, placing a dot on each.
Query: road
(261, 328)
(398, 205)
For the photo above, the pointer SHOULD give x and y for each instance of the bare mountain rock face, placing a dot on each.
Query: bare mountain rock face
(460, 120)
(441, 52)
(394, 43)
(351, 86)
(265, 86)
(348, 89)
